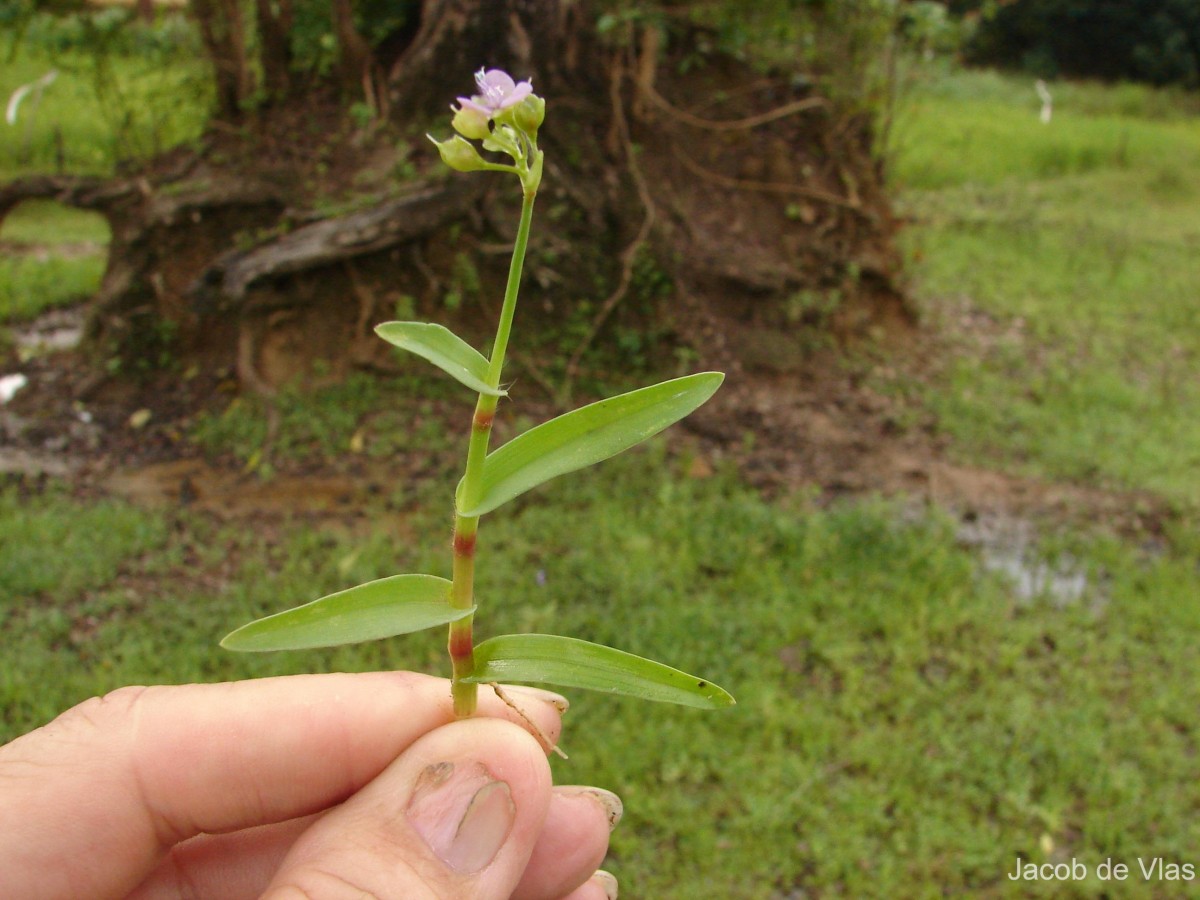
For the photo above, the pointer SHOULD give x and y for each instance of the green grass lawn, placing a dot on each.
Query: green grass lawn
(57, 258)
(99, 110)
(904, 725)
(48, 223)
(1077, 240)
(102, 109)
(30, 285)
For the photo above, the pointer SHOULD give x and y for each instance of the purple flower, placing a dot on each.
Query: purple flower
(498, 92)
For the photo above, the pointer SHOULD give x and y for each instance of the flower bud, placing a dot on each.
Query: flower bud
(459, 154)
(471, 123)
(529, 114)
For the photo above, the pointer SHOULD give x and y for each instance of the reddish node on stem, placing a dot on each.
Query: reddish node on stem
(483, 420)
(461, 645)
(464, 544)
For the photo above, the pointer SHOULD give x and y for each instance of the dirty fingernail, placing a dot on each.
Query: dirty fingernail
(613, 807)
(606, 881)
(463, 813)
(558, 701)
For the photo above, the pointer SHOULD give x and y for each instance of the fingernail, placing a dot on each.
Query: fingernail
(463, 813)
(558, 701)
(606, 881)
(613, 807)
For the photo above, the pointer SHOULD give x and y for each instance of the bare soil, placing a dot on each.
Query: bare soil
(820, 426)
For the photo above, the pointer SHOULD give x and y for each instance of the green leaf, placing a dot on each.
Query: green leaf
(378, 609)
(444, 349)
(568, 662)
(586, 436)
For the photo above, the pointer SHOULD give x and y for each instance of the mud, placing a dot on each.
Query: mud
(230, 494)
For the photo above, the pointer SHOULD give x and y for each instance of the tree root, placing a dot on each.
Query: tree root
(336, 239)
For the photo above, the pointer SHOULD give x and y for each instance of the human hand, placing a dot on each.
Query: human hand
(311, 786)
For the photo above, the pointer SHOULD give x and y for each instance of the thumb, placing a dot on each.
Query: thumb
(456, 815)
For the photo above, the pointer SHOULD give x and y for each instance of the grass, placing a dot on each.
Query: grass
(44, 530)
(58, 258)
(958, 127)
(904, 727)
(1076, 241)
(30, 286)
(100, 110)
(360, 416)
(48, 223)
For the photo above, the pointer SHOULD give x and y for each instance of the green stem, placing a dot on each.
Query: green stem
(462, 590)
(510, 292)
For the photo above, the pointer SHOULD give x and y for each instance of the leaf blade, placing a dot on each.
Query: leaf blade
(570, 662)
(445, 349)
(399, 604)
(588, 435)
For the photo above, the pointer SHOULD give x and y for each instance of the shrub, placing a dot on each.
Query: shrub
(1156, 41)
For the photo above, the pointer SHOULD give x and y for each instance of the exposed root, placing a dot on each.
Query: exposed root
(251, 379)
(744, 124)
(771, 187)
(629, 256)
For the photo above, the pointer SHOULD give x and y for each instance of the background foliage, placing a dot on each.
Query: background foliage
(124, 89)
(1157, 41)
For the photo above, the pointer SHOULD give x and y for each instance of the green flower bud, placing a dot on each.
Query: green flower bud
(503, 140)
(459, 154)
(529, 114)
(471, 123)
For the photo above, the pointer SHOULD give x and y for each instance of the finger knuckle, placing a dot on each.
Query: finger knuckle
(99, 713)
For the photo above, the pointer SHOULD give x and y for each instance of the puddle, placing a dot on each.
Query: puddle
(1008, 546)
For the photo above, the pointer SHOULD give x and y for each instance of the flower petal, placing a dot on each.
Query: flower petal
(519, 92)
(494, 82)
(473, 103)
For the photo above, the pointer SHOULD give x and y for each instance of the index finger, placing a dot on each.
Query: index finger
(91, 801)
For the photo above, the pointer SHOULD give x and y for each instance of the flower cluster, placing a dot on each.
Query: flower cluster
(504, 117)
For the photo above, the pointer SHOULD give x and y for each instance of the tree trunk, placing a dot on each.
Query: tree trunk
(354, 55)
(721, 210)
(275, 54)
(224, 34)
(551, 41)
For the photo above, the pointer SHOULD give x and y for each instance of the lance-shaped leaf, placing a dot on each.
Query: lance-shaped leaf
(378, 609)
(444, 349)
(568, 662)
(585, 436)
